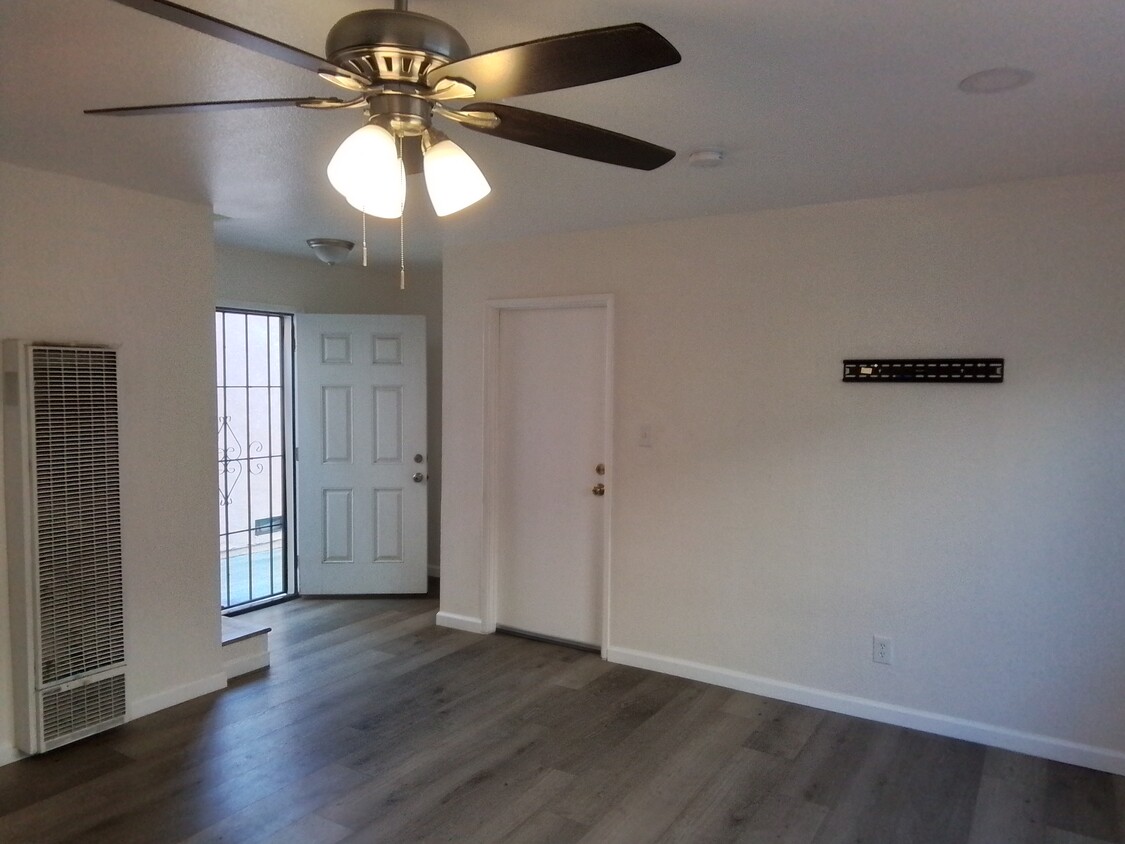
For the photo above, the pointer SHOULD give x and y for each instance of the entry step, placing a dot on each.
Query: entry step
(246, 646)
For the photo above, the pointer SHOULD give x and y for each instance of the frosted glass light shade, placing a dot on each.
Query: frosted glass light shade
(383, 200)
(330, 250)
(366, 169)
(453, 180)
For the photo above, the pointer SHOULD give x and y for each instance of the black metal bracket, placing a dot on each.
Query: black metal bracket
(928, 370)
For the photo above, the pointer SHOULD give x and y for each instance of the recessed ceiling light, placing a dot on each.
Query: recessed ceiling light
(995, 80)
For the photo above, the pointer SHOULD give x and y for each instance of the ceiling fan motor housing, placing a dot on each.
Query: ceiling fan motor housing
(395, 50)
(393, 46)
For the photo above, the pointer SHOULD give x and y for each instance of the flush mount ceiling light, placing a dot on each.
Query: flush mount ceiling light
(403, 68)
(995, 80)
(330, 250)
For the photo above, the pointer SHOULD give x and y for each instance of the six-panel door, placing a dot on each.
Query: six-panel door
(361, 467)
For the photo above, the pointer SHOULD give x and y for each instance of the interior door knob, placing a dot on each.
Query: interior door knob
(599, 489)
(418, 477)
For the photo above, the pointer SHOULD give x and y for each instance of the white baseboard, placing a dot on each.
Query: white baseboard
(1061, 750)
(170, 697)
(8, 753)
(460, 622)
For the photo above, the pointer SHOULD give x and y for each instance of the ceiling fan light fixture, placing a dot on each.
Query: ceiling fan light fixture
(380, 202)
(367, 171)
(453, 180)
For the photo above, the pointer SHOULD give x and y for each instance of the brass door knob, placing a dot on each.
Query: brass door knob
(599, 489)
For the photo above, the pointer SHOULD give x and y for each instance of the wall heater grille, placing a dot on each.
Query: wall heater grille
(67, 597)
(70, 713)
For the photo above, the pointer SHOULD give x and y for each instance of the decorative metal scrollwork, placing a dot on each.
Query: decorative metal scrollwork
(260, 466)
(231, 461)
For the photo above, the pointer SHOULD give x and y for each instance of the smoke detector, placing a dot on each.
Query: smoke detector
(706, 158)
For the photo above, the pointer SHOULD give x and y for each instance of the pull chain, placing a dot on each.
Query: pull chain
(363, 216)
(402, 222)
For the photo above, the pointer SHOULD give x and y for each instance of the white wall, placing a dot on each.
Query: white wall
(782, 518)
(256, 279)
(82, 261)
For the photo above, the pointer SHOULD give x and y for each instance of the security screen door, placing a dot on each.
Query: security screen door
(254, 379)
(361, 460)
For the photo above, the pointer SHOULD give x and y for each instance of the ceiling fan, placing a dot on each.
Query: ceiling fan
(403, 69)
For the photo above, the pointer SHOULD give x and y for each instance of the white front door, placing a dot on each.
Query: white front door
(550, 439)
(361, 461)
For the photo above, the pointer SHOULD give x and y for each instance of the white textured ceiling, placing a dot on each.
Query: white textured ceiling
(812, 100)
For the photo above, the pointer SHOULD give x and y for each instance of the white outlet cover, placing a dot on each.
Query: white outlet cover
(882, 650)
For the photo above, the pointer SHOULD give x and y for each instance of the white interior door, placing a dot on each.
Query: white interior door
(550, 438)
(361, 462)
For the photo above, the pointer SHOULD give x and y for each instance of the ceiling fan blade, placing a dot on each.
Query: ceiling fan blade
(233, 34)
(567, 136)
(562, 61)
(222, 105)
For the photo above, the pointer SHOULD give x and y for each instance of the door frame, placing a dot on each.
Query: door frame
(493, 310)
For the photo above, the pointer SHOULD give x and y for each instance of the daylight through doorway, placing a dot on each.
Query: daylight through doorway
(253, 373)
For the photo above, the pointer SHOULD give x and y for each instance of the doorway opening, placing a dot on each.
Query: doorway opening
(254, 375)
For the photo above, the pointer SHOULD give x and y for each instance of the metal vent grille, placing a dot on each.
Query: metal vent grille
(77, 533)
(70, 712)
(390, 64)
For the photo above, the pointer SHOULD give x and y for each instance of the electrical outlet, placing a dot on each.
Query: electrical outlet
(882, 650)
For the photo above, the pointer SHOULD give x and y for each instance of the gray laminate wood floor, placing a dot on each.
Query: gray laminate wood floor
(374, 725)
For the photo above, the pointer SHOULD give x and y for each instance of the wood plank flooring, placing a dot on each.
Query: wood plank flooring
(373, 725)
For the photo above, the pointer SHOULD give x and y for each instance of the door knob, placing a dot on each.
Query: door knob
(599, 489)
(418, 477)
